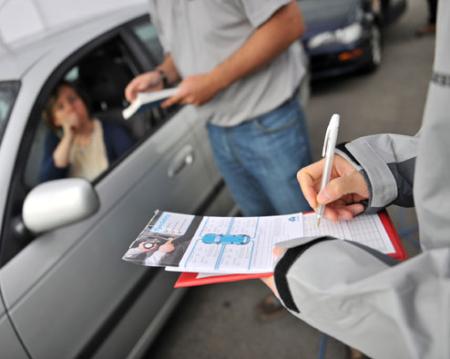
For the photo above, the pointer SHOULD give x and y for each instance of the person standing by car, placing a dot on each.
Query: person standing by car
(79, 145)
(239, 63)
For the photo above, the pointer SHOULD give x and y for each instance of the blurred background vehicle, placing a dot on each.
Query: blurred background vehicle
(344, 36)
(65, 292)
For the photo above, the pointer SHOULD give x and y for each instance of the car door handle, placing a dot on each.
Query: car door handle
(184, 158)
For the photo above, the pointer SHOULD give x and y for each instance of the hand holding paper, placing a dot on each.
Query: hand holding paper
(146, 100)
(195, 90)
(146, 82)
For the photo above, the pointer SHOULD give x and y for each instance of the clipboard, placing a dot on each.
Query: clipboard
(189, 279)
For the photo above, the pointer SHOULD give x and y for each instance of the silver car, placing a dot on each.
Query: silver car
(65, 292)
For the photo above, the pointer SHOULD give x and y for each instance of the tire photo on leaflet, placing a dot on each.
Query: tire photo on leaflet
(375, 49)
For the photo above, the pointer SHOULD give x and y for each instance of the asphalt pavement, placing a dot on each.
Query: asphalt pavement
(221, 321)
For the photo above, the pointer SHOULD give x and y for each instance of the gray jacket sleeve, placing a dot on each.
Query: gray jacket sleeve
(388, 163)
(386, 311)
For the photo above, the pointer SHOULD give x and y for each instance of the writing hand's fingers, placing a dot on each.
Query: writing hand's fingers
(356, 208)
(343, 212)
(308, 177)
(341, 186)
(331, 214)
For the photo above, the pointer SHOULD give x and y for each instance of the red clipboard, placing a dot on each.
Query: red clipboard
(188, 279)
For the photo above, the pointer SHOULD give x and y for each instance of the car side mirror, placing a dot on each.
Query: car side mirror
(58, 203)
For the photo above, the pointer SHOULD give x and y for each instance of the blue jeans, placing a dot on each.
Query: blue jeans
(259, 160)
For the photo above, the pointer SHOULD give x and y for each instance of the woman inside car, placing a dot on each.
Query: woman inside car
(79, 145)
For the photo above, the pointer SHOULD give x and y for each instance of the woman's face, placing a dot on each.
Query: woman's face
(69, 108)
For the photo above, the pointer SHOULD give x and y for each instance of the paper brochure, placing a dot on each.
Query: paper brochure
(147, 99)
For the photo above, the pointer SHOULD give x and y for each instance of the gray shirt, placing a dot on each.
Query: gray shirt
(201, 34)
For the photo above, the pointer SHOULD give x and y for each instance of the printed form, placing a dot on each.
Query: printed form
(253, 257)
(365, 229)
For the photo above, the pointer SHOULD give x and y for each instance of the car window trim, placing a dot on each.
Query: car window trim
(150, 61)
(17, 84)
(147, 60)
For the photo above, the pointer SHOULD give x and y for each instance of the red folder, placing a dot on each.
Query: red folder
(187, 279)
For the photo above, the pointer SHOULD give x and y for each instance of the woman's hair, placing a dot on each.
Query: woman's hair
(47, 113)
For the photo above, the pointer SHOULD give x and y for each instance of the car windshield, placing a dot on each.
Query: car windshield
(8, 93)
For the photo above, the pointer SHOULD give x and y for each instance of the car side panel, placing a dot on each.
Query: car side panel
(68, 284)
(146, 315)
(10, 346)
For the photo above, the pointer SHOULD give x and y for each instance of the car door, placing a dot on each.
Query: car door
(9, 341)
(68, 292)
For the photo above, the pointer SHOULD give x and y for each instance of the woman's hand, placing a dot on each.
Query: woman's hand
(343, 194)
(69, 125)
(61, 155)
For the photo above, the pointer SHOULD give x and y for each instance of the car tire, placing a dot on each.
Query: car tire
(375, 52)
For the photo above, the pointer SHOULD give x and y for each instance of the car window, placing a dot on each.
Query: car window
(8, 93)
(146, 33)
(100, 78)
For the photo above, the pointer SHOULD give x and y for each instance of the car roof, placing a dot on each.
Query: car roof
(17, 58)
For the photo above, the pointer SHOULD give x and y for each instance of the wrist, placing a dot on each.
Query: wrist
(68, 137)
(219, 79)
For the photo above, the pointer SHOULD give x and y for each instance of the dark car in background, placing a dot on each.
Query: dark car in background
(344, 36)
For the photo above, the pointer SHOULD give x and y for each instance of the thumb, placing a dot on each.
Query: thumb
(338, 188)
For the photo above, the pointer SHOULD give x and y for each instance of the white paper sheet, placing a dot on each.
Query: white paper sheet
(253, 257)
(366, 229)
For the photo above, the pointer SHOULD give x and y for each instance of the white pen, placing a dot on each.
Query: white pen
(329, 145)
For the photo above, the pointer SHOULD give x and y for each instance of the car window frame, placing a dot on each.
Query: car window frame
(151, 60)
(121, 33)
(16, 85)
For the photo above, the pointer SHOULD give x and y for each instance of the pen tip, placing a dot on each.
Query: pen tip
(318, 222)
